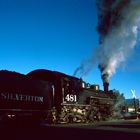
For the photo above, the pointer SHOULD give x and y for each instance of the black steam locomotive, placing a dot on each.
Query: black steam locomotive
(54, 97)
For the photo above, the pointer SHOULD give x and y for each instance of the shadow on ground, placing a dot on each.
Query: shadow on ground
(29, 131)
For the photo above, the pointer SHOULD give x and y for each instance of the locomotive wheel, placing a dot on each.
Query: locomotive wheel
(74, 119)
(64, 119)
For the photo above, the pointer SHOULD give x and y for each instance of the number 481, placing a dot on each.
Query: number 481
(71, 98)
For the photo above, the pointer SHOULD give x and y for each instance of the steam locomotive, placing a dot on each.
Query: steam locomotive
(54, 97)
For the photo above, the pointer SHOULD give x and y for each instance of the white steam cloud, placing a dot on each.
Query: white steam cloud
(118, 25)
(120, 38)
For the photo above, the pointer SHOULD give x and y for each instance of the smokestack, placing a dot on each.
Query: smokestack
(106, 85)
(105, 80)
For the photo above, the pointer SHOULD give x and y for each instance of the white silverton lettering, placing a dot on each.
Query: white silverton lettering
(20, 97)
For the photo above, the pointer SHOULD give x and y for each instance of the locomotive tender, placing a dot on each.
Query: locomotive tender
(54, 96)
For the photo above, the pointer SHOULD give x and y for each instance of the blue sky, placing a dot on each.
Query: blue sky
(57, 35)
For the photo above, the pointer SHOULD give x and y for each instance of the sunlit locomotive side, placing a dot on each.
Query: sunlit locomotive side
(74, 100)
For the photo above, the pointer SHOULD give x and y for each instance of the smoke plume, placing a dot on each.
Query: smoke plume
(87, 64)
(118, 24)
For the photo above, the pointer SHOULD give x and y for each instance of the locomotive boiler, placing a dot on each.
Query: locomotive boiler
(53, 96)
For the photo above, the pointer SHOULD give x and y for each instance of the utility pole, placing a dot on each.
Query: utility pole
(134, 100)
